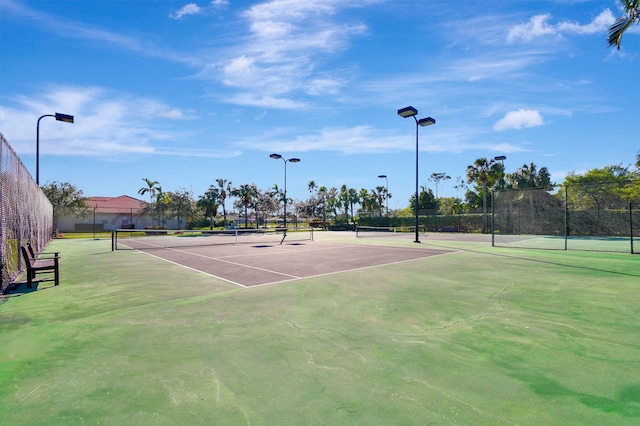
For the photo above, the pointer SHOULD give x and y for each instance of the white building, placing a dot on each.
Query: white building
(108, 213)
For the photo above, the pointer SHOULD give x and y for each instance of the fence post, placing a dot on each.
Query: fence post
(493, 219)
(566, 215)
(631, 224)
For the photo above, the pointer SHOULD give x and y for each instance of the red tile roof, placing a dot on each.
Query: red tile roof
(121, 204)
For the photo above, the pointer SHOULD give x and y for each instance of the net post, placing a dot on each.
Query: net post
(631, 224)
(493, 218)
(566, 216)
(113, 245)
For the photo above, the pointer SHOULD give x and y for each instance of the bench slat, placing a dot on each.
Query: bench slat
(37, 265)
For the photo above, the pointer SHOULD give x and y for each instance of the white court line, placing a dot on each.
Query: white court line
(354, 269)
(290, 277)
(194, 269)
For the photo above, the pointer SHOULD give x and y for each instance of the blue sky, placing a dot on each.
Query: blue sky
(184, 93)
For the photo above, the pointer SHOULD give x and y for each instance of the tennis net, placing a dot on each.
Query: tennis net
(148, 239)
(386, 231)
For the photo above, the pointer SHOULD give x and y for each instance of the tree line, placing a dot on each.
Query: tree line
(346, 205)
(249, 200)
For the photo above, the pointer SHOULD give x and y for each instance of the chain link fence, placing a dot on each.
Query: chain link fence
(26, 214)
(597, 217)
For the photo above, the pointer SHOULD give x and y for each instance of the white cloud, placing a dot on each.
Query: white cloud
(287, 40)
(194, 9)
(189, 9)
(601, 23)
(248, 99)
(536, 27)
(106, 123)
(351, 140)
(539, 26)
(519, 119)
(240, 71)
(219, 4)
(323, 86)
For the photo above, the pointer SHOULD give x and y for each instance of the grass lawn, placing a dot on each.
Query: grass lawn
(483, 336)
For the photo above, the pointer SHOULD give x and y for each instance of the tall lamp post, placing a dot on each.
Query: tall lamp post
(59, 117)
(289, 160)
(387, 189)
(501, 158)
(412, 112)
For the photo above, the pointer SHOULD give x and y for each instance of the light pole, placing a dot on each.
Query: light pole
(387, 188)
(501, 158)
(412, 112)
(59, 117)
(289, 160)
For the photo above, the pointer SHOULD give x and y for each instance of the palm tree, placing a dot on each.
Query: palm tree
(277, 194)
(331, 200)
(353, 199)
(312, 186)
(324, 195)
(152, 189)
(365, 203)
(246, 194)
(486, 173)
(224, 187)
(208, 202)
(346, 199)
(632, 15)
(379, 194)
(162, 199)
(528, 176)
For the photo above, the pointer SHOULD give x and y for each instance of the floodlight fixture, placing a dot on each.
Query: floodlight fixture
(407, 112)
(500, 158)
(64, 117)
(426, 122)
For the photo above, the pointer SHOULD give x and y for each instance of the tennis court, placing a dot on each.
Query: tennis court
(482, 336)
(259, 258)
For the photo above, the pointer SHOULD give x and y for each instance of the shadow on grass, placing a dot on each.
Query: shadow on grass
(20, 289)
(548, 262)
(624, 405)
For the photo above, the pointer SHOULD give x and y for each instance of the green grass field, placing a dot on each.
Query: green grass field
(483, 336)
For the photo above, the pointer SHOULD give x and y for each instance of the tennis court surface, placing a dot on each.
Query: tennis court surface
(272, 260)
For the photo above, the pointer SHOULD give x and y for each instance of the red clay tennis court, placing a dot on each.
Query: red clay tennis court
(268, 261)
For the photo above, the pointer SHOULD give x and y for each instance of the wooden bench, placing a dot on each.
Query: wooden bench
(44, 263)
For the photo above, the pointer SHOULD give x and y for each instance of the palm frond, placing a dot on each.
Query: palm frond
(632, 14)
(617, 29)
